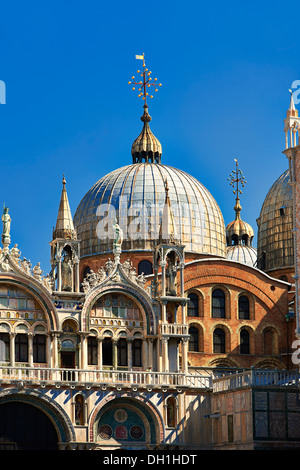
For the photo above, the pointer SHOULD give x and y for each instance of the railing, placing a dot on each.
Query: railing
(256, 378)
(42, 376)
(96, 378)
(173, 329)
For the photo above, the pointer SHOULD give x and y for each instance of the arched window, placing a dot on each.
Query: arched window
(39, 348)
(4, 347)
(145, 267)
(171, 412)
(244, 312)
(245, 239)
(122, 352)
(137, 353)
(107, 352)
(219, 340)
(92, 351)
(193, 305)
(21, 347)
(194, 339)
(218, 304)
(244, 342)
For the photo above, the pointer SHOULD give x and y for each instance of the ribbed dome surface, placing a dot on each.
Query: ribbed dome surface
(135, 196)
(275, 223)
(239, 228)
(242, 254)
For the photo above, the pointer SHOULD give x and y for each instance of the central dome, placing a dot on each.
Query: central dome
(135, 195)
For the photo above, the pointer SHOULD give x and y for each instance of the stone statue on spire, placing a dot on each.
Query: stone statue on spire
(6, 219)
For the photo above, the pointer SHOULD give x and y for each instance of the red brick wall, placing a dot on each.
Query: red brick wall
(268, 306)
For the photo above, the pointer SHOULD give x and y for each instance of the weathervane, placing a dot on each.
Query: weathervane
(236, 177)
(146, 82)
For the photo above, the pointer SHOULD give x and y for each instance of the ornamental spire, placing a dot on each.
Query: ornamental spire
(236, 178)
(291, 124)
(146, 81)
(146, 146)
(64, 224)
(238, 232)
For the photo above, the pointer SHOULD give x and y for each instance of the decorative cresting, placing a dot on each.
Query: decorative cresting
(10, 258)
(119, 277)
(146, 146)
(113, 270)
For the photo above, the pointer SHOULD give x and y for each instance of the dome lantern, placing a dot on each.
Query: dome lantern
(146, 147)
(239, 234)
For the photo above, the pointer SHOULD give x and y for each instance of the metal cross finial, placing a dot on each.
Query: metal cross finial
(146, 82)
(236, 177)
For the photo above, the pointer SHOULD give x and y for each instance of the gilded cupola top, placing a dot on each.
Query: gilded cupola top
(146, 147)
(238, 232)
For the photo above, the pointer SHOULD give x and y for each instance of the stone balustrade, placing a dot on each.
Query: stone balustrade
(256, 378)
(174, 329)
(39, 376)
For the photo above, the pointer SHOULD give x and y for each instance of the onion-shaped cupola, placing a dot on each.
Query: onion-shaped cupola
(146, 147)
(239, 234)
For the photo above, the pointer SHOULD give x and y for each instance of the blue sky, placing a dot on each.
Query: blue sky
(226, 68)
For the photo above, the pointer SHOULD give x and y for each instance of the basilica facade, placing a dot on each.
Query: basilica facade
(158, 327)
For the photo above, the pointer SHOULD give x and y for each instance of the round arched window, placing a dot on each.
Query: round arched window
(145, 267)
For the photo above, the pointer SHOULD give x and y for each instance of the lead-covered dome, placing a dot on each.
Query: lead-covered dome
(134, 195)
(275, 223)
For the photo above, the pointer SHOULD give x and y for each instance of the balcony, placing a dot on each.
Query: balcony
(47, 377)
(173, 329)
(256, 378)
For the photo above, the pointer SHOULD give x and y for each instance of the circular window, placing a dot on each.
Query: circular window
(105, 431)
(136, 432)
(120, 416)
